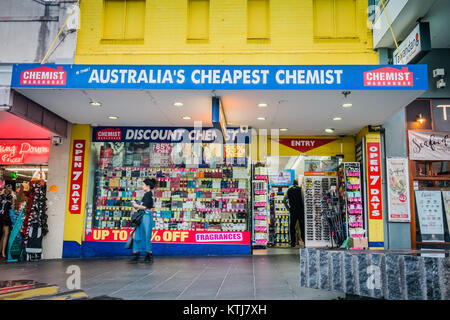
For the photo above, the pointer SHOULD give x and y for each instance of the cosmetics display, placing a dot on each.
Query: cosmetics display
(351, 199)
(279, 226)
(261, 211)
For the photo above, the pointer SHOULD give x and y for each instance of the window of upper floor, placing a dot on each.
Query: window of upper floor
(123, 20)
(198, 21)
(258, 20)
(335, 19)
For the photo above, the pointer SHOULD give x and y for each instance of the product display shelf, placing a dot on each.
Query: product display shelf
(280, 218)
(261, 206)
(185, 199)
(351, 202)
(317, 229)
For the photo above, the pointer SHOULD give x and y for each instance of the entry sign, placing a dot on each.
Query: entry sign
(415, 46)
(76, 176)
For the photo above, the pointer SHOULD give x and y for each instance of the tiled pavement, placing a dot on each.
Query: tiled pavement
(267, 275)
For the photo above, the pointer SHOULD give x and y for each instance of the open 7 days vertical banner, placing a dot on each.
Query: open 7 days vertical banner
(76, 176)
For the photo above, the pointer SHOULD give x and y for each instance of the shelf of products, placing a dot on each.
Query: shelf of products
(280, 219)
(261, 212)
(317, 229)
(351, 199)
(185, 199)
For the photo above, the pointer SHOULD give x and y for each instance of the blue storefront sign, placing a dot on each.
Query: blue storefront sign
(222, 77)
(170, 135)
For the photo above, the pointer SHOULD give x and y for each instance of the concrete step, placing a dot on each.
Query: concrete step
(384, 274)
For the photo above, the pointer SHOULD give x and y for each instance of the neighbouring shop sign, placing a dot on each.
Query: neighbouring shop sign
(223, 77)
(19, 152)
(174, 236)
(374, 193)
(429, 145)
(429, 210)
(169, 135)
(76, 176)
(398, 190)
(415, 46)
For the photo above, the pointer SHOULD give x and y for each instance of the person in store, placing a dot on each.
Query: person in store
(143, 233)
(293, 201)
(6, 204)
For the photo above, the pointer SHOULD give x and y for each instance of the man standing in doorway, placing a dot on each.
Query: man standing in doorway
(293, 201)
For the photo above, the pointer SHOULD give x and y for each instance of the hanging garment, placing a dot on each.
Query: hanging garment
(34, 243)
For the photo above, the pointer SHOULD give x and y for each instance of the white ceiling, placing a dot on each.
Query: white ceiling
(303, 112)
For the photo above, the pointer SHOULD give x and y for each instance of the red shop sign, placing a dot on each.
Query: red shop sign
(304, 144)
(374, 181)
(17, 152)
(76, 176)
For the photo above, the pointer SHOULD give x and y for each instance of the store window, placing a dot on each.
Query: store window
(198, 20)
(258, 19)
(123, 20)
(200, 186)
(334, 19)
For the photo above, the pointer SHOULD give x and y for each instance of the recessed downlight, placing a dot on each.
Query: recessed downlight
(178, 104)
(186, 118)
(337, 118)
(262, 105)
(329, 130)
(95, 103)
(347, 105)
(113, 117)
(261, 118)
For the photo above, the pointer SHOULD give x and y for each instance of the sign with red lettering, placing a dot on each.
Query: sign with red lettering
(375, 203)
(18, 152)
(303, 144)
(173, 236)
(76, 176)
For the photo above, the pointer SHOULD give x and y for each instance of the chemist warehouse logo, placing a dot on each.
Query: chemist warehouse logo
(389, 77)
(44, 76)
(109, 134)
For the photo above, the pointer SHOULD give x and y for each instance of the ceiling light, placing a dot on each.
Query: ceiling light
(186, 118)
(284, 129)
(262, 105)
(113, 117)
(26, 169)
(261, 118)
(337, 118)
(95, 103)
(329, 130)
(420, 118)
(347, 105)
(178, 104)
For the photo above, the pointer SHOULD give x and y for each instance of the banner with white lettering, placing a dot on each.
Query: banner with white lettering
(429, 210)
(223, 77)
(398, 190)
(429, 145)
(76, 176)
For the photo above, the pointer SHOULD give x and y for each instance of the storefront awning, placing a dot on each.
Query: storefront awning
(304, 99)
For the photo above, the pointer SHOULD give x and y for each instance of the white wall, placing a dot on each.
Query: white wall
(58, 172)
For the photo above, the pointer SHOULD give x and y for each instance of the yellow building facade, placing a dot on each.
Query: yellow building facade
(224, 32)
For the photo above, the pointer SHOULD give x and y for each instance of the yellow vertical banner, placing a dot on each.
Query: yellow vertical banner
(77, 183)
(374, 191)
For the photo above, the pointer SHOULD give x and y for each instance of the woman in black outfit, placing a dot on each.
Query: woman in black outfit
(6, 204)
(143, 232)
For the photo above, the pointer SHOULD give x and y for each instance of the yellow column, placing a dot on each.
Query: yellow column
(75, 215)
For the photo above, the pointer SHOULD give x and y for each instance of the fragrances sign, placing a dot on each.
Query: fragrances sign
(429, 145)
(429, 210)
(398, 190)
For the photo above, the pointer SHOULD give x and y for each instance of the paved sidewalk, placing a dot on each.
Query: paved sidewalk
(267, 275)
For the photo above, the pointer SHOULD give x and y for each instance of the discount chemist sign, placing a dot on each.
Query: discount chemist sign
(224, 77)
(173, 236)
